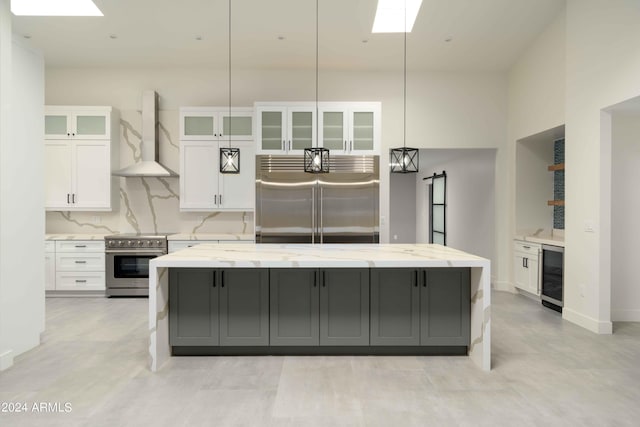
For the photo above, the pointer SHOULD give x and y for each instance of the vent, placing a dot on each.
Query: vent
(337, 164)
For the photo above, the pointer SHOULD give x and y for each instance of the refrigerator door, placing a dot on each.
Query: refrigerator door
(285, 203)
(348, 208)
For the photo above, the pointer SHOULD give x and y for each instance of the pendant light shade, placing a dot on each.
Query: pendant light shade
(316, 160)
(229, 156)
(404, 160)
(229, 160)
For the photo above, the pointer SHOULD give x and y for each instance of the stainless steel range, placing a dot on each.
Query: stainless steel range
(127, 262)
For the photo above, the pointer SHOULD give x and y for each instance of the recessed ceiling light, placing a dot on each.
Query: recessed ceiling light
(390, 16)
(198, 38)
(365, 41)
(280, 37)
(448, 39)
(54, 8)
(27, 36)
(113, 36)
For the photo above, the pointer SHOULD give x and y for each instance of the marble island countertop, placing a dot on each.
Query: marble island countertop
(326, 255)
(249, 255)
(211, 236)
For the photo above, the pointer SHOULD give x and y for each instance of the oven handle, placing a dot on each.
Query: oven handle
(127, 252)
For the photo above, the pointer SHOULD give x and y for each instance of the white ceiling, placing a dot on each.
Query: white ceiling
(487, 34)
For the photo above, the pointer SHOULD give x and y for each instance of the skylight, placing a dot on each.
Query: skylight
(54, 8)
(390, 16)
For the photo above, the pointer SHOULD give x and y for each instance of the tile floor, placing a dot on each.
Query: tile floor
(547, 372)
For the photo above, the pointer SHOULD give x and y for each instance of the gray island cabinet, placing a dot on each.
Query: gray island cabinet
(319, 299)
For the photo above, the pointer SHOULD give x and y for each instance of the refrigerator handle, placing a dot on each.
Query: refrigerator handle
(321, 214)
(313, 212)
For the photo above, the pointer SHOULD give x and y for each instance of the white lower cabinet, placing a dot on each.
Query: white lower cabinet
(75, 265)
(49, 266)
(526, 266)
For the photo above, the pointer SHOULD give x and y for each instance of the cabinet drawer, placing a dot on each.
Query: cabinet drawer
(75, 281)
(532, 249)
(49, 246)
(79, 246)
(80, 262)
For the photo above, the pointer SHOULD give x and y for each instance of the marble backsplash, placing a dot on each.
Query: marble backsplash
(149, 205)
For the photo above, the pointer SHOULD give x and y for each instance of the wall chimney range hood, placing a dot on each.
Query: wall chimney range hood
(149, 166)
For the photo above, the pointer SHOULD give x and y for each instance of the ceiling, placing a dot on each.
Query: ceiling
(485, 34)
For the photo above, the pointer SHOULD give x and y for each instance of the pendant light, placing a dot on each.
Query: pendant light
(229, 156)
(316, 159)
(404, 159)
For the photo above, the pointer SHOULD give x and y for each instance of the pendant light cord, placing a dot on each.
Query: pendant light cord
(229, 139)
(404, 113)
(317, 112)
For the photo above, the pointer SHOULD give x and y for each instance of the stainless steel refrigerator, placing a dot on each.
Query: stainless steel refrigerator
(337, 207)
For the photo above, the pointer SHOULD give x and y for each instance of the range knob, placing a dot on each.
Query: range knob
(120, 243)
(158, 244)
(130, 242)
(140, 243)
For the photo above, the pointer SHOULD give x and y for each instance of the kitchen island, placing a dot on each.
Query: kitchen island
(377, 269)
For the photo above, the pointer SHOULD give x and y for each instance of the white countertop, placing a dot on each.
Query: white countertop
(75, 236)
(544, 237)
(210, 236)
(307, 255)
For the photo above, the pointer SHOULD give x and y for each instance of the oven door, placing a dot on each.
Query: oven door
(128, 269)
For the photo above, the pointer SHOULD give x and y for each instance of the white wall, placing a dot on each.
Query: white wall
(603, 65)
(444, 109)
(625, 205)
(534, 184)
(536, 104)
(470, 193)
(21, 195)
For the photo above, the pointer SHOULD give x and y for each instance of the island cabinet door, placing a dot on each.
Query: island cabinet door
(445, 307)
(193, 307)
(244, 306)
(344, 306)
(294, 306)
(395, 306)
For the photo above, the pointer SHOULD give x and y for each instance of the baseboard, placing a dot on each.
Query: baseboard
(503, 286)
(628, 315)
(587, 322)
(6, 360)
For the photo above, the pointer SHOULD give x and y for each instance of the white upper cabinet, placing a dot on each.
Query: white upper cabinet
(64, 122)
(343, 127)
(350, 128)
(81, 150)
(285, 128)
(216, 123)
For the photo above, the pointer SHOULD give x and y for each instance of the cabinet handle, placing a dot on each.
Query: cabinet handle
(323, 279)
(73, 198)
(68, 198)
(81, 246)
(214, 279)
(215, 199)
(351, 146)
(416, 278)
(424, 278)
(526, 263)
(68, 133)
(283, 146)
(344, 146)
(290, 146)
(80, 281)
(315, 279)
(220, 199)
(81, 262)
(527, 247)
(222, 279)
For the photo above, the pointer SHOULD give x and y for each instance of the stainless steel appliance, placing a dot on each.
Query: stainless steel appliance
(552, 277)
(297, 207)
(127, 262)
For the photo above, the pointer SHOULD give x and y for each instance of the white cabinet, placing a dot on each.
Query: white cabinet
(526, 266)
(204, 188)
(79, 265)
(78, 166)
(350, 128)
(285, 128)
(216, 123)
(343, 127)
(65, 122)
(49, 266)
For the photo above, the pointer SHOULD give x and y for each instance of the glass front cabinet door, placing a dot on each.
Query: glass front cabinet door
(62, 122)
(350, 128)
